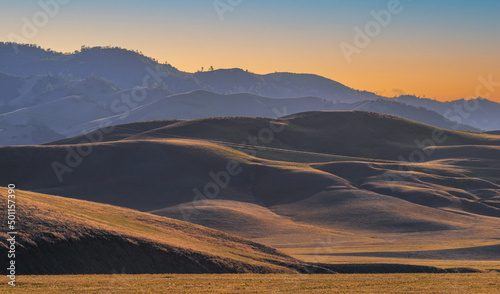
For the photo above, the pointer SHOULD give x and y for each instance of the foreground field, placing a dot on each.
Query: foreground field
(251, 283)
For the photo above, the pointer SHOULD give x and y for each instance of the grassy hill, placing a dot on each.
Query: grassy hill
(65, 236)
(329, 185)
(346, 133)
(205, 104)
(61, 236)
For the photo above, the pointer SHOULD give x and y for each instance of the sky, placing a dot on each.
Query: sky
(444, 50)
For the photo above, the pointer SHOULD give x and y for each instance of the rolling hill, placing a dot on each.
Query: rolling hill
(91, 103)
(346, 133)
(204, 104)
(61, 236)
(327, 182)
(64, 236)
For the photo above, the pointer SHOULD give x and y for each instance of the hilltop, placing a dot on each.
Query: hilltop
(127, 69)
(65, 236)
(48, 95)
(346, 133)
(343, 177)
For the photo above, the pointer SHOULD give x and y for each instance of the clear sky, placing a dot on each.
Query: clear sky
(436, 49)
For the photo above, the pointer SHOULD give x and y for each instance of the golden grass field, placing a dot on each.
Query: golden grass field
(61, 219)
(251, 283)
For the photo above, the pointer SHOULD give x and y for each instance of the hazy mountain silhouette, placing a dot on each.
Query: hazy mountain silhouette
(204, 104)
(48, 95)
(479, 113)
(86, 104)
(42, 108)
(127, 69)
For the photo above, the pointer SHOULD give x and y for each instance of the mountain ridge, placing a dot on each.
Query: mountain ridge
(113, 85)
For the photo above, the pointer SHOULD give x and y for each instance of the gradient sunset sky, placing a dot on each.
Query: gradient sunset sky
(436, 49)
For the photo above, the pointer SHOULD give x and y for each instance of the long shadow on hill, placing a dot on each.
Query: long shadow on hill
(491, 252)
(354, 184)
(64, 236)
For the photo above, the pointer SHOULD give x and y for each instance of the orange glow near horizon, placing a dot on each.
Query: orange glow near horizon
(429, 76)
(441, 57)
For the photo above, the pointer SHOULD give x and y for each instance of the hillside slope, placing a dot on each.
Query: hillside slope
(346, 133)
(336, 176)
(64, 236)
(205, 104)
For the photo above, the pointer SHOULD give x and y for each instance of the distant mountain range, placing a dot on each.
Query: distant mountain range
(47, 96)
(127, 69)
(479, 113)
